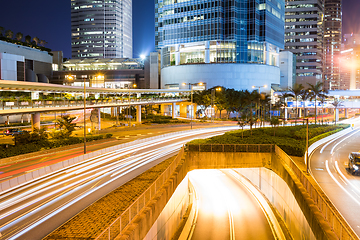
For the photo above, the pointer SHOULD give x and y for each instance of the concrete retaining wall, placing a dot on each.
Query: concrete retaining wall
(279, 194)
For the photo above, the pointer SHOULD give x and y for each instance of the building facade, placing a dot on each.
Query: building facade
(350, 62)
(116, 73)
(21, 63)
(304, 37)
(101, 29)
(332, 44)
(202, 35)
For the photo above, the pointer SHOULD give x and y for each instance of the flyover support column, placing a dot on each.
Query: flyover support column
(336, 115)
(346, 113)
(183, 110)
(35, 121)
(285, 114)
(117, 115)
(99, 118)
(173, 110)
(138, 113)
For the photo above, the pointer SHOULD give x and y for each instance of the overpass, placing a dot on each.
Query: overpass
(121, 98)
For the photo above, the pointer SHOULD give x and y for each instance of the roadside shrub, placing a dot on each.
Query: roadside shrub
(108, 135)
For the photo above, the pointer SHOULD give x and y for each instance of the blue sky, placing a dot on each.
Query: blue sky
(49, 20)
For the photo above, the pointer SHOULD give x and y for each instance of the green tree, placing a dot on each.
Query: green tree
(275, 122)
(317, 92)
(28, 39)
(19, 36)
(251, 98)
(9, 34)
(295, 93)
(1, 30)
(66, 126)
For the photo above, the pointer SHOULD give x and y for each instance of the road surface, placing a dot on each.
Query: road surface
(329, 167)
(33, 210)
(226, 209)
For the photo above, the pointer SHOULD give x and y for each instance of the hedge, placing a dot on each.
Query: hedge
(14, 150)
(290, 139)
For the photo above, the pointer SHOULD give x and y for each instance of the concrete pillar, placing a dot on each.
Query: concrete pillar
(267, 51)
(117, 115)
(7, 120)
(300, 111)
(183, 110)
(173, 110)
(346, 113)
(177, 54)
(99, 118)
(207, 52)
(138, 113)
(113, 112)
(35, 121)
(336, 115)
(286, 112)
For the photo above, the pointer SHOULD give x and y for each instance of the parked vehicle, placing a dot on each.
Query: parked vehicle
(354, 163)
(12, 131)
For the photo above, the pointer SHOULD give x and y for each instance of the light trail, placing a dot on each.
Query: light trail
(74, 183)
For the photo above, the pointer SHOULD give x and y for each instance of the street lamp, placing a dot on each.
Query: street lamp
(192, 91)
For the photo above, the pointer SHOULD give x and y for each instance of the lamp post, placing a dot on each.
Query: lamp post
(85, 116)
(258, 87)
(192, 92)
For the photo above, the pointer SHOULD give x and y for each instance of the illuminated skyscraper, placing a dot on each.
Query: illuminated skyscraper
(101, 29)
(332, 44)
(304, 38)
(210, 34)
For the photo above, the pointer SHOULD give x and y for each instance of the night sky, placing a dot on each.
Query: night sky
(49, 20)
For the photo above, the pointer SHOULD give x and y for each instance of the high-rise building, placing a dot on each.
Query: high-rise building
(304, 38)
(349, 59)
(200, 39)
(101, 29)
(332, 44)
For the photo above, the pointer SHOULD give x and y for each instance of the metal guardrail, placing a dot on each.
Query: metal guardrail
(257, 148)
(72, 103)
(129, 214)
(337, 222)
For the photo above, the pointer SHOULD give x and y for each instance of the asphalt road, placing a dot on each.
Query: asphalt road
(329, 166)
(226, 209)
(33, 210)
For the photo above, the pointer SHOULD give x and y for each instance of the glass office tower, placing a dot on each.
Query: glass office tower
(332, 44)
(101, 29)
(219, 31)
(304, 38)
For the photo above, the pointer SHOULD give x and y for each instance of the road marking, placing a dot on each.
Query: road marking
(337, 182)
(319, 169)
(332, 150)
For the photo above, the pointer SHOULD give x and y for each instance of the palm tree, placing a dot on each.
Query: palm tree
(295, 93)
(9, 34)
(305, 95)
(19, 36)
(317, 91)
(36, 40)
(336, 103)
(282, 103)
(43, 43)
(28, 38)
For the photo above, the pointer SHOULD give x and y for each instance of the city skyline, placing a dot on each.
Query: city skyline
(56, 20)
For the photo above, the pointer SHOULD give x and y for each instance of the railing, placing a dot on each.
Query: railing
(129, 214)
(72, 103)
(257, 148)
(337, 222)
